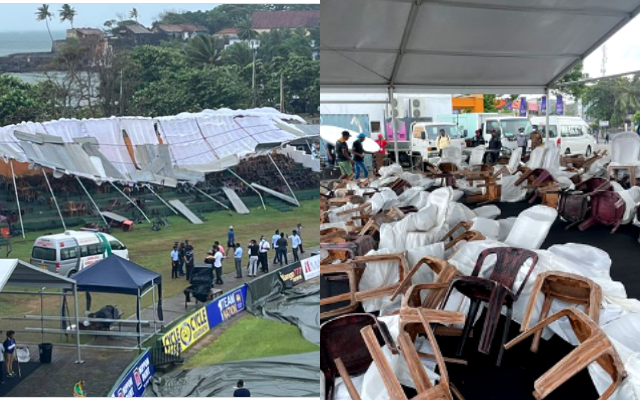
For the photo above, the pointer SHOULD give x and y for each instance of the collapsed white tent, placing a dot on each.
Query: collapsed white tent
(451, 46)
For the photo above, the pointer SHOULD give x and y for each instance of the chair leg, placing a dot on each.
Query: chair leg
(546, 306)
(505, 334)
(471, 316)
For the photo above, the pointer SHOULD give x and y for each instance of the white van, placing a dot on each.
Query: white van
(69, 252)
(508, 127)
(423, 138)
(575, 135)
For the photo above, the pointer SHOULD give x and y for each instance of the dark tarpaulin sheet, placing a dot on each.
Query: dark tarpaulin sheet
(296, 375)
(298, 306)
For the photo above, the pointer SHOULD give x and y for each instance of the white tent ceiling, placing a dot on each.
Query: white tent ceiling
(477, 46)
(14, 272)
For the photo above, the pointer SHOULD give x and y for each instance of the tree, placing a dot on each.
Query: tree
(45, 15)
(577, 90)
(67, 13)
(109, 24)
(239, 54)
(489, 101)
(17, 102)
(204, 50)
(599, 100)
(134, 14)
(246, 31)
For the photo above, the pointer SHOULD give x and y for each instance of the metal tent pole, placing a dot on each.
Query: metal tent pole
(547, 116)
(283, 178)
(93, 202)
(75, 305)
(153, 300)
(148, 186)
(248, 185)
(53, 197)
(41, 315)
(139, 325)
(15, 188)
(393, 126)
(209, 197)
(131, 201)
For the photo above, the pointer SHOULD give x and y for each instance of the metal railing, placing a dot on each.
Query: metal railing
(166, 354)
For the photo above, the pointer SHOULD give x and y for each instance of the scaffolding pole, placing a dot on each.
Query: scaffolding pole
(93, 202)
(75, 306)
(131, 201)
(15, 188)
(546, 130)
(148, 186)
(284, 179)
(53, 197)
(393, 126)
(209, 197)
(249, 185)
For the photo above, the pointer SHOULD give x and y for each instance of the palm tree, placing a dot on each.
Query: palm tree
(239, 54)
(134, 14)
(45, 15)
(67, 13)
(204, 50)
(245, 30)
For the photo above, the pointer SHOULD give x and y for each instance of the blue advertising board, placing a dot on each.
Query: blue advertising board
(136, 379)
(226, 306)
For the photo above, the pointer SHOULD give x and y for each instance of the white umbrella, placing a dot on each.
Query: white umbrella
(331, 134)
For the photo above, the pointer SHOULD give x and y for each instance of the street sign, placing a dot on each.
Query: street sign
(604, 123)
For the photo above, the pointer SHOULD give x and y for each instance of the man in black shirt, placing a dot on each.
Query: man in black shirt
(358, 157)
(282, 249)
(342, 155)
(241, 391)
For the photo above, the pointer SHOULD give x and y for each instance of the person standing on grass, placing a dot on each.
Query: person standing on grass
(357, 149)
(231, 239)
(299, 229)
(187, 246)
(345, 162)
(182, 254)
(254, 250)
(9, 347)
(282, 249)
(295, 243)
(175, 259)
(188, 258)
(274, 244)
(237, 258)
(217, 246)
(241, 391)
(263, 254)
(217, 265)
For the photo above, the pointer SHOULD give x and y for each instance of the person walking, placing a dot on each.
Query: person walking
(357, 149)
(442, 141)
(263, 254)
(494, 147)
(9, 348)
(253, 258)
(175, 259)
(282, 249)
(241, 391)
(380, 155)
(345, 162)
(606, 138)
(522, 141)
(295, 243)
(231, 239)
(189, 262)
(237, 258)
(299, 229)
(182, 253)
(274, 244)
(217, 265)
(478, 139)
(331, 155)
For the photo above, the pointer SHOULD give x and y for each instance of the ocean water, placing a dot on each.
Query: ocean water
(27, 41)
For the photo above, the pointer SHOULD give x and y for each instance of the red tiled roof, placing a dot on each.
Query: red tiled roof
(179, 28)
(89, 31)
(285, 19)
(227, 31)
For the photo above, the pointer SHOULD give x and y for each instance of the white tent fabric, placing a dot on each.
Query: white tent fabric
(14, 272)
(495, 46)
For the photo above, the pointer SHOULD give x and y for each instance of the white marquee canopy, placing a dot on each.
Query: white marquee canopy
(468, 46)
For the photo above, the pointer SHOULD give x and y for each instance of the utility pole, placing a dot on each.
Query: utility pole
(281, 93)
(253, 78)
(603, 66)
(121, 105)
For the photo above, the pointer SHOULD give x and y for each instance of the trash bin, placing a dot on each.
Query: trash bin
(45, 352)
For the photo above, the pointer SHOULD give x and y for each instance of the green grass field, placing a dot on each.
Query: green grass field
(152, 250)
(252, 337)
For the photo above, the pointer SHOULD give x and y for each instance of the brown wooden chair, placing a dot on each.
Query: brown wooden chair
(562, 286)
(594, 346)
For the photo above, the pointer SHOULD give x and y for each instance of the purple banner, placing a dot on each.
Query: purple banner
(559, 106)
(543, 106)
(523, 107)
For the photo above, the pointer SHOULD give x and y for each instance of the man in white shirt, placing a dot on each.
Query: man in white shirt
(175, 259)
(263, 257)
(237, 255)
(295, 243)
(217, 265)
(274, 244)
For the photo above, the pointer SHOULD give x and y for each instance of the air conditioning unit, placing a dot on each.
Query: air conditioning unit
(394, 109)
(417, 108)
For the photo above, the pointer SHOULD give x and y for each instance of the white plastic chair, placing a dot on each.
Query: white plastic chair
(477, 156)
(452, 154)
(488, 227)
(536, 158)
(625, 148)
(24, 356)
(531, 227)
(551, 160)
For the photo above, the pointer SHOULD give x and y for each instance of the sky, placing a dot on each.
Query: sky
(623, 52)
(21, 17)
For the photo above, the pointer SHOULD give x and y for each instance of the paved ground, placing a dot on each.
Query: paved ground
(102, 368)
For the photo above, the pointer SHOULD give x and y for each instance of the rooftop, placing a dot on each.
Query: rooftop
(137, 28)
(227, 31)
(179, 28)
(285, 19)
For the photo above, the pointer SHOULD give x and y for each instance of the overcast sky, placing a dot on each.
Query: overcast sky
(623, 52)
(21, 17)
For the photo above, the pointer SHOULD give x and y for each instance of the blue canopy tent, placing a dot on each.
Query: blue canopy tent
(114, 274)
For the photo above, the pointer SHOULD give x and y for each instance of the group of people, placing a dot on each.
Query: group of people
(350, 159)
(258, 254)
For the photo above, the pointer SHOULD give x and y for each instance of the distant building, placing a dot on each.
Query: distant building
(265, 21)
(230, 36)
(181, 31)
(84, 33)
(136, 35)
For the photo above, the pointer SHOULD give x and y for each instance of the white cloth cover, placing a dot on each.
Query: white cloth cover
(490, 211)
(631, 198)
(536, 158)
(625, 148)
(510, 193)
(452, 154)
(488, 227)
(477, 155)
(532, 227)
